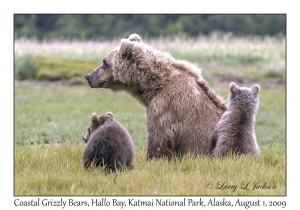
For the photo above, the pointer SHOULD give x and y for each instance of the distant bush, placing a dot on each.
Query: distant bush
(276, 73)
(25, 67)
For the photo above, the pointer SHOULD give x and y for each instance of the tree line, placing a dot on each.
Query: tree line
(107, 26)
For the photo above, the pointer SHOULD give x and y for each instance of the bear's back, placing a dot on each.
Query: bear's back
(112, 141)
(235, 131)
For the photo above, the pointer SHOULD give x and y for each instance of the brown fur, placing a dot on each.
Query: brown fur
(182, 110)
(108, 144)
(235, 132)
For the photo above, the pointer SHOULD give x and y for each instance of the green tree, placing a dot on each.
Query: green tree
(107, 26)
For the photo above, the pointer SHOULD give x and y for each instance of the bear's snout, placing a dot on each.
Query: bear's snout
(84, 139)
(87, 77)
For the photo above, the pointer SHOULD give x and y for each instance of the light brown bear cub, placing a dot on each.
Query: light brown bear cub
(107, 144)
(235, 132)
(182, 110)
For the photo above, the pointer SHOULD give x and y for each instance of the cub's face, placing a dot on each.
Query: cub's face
(87, 136)
(95, 122)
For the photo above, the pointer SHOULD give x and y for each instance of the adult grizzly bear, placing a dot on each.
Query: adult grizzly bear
(108, 144)
(182, 111)
(235, 132)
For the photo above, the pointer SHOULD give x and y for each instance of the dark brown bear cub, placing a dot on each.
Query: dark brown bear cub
(235, 132)
(108, 144)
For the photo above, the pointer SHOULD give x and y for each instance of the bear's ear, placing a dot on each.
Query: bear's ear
(94, 120)
(126, 48)
(101, 120)
(135, 38)
(110, 114)
(233, 87)
(255, 89)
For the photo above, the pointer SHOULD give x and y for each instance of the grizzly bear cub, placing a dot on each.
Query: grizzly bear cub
(107, 144)
(235, 132)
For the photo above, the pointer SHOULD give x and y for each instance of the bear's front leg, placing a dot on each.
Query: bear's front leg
(87, 159)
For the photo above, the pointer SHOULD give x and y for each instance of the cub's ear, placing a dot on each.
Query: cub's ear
(233, 87)
(135, 38)
(255, 89)
(110, 114)
(126, 48)
(101, 120)
(94, 120)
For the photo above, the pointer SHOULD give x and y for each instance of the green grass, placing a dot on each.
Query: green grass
(54, 112)
(58, 171)
(58, 68)
(51, 117)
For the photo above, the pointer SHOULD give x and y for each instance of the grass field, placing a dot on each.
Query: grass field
(51, 118)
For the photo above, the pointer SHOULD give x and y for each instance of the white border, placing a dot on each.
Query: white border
(6, 43)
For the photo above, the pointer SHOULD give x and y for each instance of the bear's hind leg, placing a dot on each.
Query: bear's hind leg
(161, 145)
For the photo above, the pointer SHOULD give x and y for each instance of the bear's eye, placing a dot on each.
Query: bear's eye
(104, 64)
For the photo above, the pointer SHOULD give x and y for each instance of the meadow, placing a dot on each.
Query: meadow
(51, 115)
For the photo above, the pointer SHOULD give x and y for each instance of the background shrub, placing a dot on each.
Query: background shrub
(25, 67)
